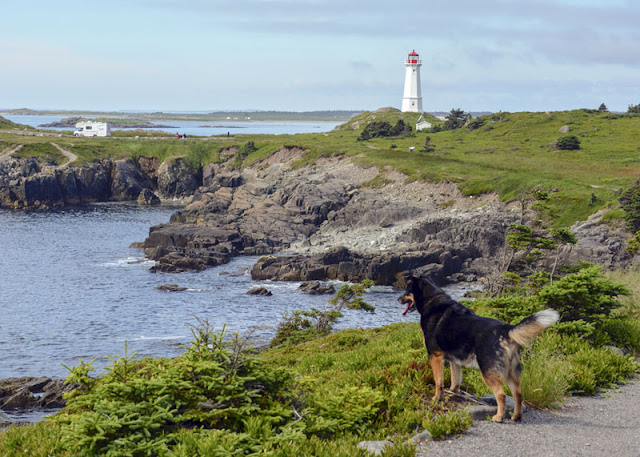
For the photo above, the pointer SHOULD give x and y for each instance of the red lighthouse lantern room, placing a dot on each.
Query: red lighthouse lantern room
(413, 57)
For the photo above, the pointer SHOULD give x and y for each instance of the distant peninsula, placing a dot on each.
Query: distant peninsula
(118, 123)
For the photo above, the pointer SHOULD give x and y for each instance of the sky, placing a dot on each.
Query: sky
(309, 55)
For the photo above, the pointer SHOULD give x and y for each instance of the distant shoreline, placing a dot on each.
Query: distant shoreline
(217, 116)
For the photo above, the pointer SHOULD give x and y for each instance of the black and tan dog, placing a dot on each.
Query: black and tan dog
(455, 333)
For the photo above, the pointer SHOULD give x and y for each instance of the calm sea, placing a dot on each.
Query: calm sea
(200, 128)
(71, 288)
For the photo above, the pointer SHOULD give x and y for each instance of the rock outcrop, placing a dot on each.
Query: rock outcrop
(28, 184)
(27, 394)
(271, 208)
(316, 288)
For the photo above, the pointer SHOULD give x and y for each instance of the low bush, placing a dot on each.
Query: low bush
(568, 143)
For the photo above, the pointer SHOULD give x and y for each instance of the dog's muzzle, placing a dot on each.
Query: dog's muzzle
(409, 301)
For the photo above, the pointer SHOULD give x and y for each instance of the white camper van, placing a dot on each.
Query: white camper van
(88, 128)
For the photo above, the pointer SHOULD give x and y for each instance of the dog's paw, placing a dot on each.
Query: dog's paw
(437, 398)
(497, 418)
(515, 418)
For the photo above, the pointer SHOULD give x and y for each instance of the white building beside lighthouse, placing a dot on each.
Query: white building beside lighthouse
(412, 99)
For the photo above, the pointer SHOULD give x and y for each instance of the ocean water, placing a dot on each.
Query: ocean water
(199, 128)
(71, 288)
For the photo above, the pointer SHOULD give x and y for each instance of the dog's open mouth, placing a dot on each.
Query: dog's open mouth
(409, 301)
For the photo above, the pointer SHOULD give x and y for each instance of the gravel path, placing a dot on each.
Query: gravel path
(607, 424)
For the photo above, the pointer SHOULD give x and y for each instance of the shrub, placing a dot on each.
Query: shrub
(441, 426)
(375, 129)
(568, 143)
(136, 407)
(428, 146)
(456, 119)
(634, 109)
(302, 326)
(384, 129)
(245, 150)
(630, 202)
(475, 124)
(585, 295)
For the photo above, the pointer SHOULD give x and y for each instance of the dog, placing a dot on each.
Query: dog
(455, 333)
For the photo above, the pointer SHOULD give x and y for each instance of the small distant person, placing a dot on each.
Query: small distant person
(184, 136)
(177, 135)
(228, 135)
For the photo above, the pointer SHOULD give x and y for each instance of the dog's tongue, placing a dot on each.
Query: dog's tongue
(406, 309)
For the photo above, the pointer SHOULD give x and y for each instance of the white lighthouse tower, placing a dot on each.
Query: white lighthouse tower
(412, 99)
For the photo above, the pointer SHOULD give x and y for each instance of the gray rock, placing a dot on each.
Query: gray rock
(21, 399)
(148, 198)
(37, 385)
(564, 129)
(421, 437)
(619, 352)
(490, 399)
(260, 291)
(4, 420)
(480, 412)
(375, 447)
(171, 288)
(316, 288)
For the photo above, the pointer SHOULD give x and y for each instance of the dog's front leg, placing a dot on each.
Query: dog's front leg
(436, 359)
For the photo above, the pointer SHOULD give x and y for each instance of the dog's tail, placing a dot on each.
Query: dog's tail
(529, 328)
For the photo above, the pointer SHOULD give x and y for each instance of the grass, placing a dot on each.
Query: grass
(350, 386)
(45, 152)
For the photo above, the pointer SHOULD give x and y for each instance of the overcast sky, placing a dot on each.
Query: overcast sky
(306, 55)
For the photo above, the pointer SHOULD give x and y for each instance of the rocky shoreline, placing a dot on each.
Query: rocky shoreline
(29, 184)
(326, 221)
(29, 395)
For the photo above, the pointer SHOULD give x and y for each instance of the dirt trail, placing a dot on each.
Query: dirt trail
(607, 424)
(69, 155)
(6, 154)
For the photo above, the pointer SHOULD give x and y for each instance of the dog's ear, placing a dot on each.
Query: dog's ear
(429, 289)
(405, 280)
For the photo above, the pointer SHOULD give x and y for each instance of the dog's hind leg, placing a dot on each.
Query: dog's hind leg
(514, 385)
(456, 377)
(494, 381)
(436, 359)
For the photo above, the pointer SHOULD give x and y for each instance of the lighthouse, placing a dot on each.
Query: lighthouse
(412, 99)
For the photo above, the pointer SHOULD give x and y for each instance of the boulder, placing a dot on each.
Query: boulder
(260, 291)
(421, 437)
(171, 288)
(316, 288)
(148, 198)
(374, 447)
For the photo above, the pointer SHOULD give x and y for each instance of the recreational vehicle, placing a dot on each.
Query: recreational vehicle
(88, 128)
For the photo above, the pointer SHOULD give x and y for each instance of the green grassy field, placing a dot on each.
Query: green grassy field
(510, 154)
